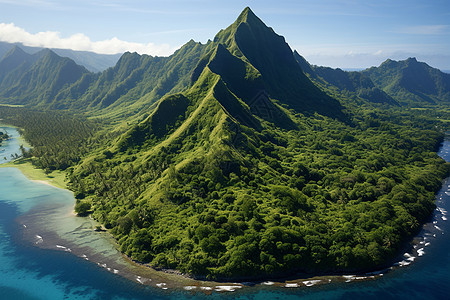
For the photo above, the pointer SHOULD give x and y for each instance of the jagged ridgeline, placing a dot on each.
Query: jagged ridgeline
(245, 169)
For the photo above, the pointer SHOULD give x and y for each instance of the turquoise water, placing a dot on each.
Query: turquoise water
(10, 146)
(30, 271)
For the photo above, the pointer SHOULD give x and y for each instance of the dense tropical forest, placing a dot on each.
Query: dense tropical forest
(59, 139)
(237, 159)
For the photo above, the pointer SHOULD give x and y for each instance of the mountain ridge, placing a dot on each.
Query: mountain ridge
(92, 61)
(411, 81)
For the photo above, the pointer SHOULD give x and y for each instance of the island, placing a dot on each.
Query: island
(237, 159)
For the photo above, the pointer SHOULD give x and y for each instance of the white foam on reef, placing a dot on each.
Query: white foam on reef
(39, 239)
(363, 277)
(115, 271)
(268, 283)
(227, 288)
(403, 263)
(444, 218)
(63, 248)
(427, 244)
(161, 285)
(420, 252)
(206, 288)
(311, 282)
(291, 285)
(442, 210)
(190, 287)
(348, 277)
(408, 257)
(354, 277)
(139, 279)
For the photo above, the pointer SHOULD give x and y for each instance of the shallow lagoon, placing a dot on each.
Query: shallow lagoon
(47, 253)
(10, 146)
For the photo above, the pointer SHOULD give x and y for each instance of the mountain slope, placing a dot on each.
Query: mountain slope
(411, 82)
(37, 78)
(250, 39)
(12, 65)
(133, 85)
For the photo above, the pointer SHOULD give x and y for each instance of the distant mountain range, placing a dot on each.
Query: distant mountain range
(411, 82)
(407, 82)
(94, 62)
(133, 83)
(36, 79)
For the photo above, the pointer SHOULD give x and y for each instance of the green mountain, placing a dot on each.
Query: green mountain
(251, 40)
(35, 79)
(357, 83)
(13, 65)
(130, 88)
(94, 62)
(241, 168)
(133, 85)
(411, 82)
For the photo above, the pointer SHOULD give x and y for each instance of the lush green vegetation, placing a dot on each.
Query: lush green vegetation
(226, 161)
(328, 197)
(35, 79)
(211, 185)
(59, 140)
(411, 82)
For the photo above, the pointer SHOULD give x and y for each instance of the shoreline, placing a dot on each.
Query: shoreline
(173, 279)
(55, 179)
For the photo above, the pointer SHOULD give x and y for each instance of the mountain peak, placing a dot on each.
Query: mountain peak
(249, 17)
(16, 51)
(246, 13)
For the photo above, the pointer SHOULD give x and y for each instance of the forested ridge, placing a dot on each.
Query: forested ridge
(233, 165)
(330, 198)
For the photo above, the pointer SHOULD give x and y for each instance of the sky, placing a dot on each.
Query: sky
(340, 34)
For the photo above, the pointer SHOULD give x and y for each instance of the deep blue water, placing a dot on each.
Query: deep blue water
(30, 272)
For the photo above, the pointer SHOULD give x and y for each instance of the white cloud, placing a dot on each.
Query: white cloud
(52, 39)
(424, 29)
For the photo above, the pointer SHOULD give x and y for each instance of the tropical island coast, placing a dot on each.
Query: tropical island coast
(237, 160)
